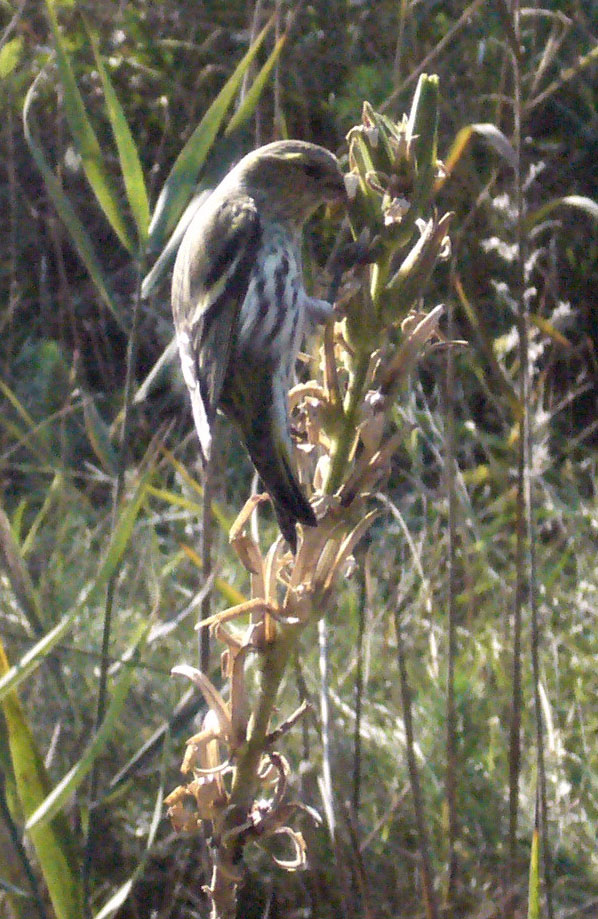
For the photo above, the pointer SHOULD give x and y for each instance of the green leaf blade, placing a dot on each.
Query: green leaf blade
(183, 175)
(86, 141)
(248, 105)
(38, 653)
(10, 55)
(67, 214)
(53, 843)
(585, 205)
(128, 153)
(54, 802)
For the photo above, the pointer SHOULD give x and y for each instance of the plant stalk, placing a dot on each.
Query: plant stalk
(344, 442)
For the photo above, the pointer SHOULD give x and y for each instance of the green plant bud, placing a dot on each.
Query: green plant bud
(379, 131)
(407, 284)
(423, 129)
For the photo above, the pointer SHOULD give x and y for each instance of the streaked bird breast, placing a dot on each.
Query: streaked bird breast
(272, 319)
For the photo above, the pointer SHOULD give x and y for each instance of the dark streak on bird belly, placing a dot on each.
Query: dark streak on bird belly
(270, 314)
(269, 330)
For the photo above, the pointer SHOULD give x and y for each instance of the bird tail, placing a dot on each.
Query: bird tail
(202, 425)
(271, 457)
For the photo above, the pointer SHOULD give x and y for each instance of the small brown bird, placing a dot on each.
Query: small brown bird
(240, 308)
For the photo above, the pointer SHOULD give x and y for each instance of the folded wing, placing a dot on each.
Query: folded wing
(210, 281)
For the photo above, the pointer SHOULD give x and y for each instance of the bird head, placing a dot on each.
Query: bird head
(289, 179)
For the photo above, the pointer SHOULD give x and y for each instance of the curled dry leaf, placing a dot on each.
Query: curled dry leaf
(206, 791)
(198, 751)
(299, 860)
(183, 819)
(409, 350)
(242, 542)
(303, 391)
(249, 607)
(213, 698)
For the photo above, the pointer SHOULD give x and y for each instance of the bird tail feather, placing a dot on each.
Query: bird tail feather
(271, 458)
(202, 425)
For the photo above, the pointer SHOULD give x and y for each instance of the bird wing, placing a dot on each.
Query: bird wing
(209, 284)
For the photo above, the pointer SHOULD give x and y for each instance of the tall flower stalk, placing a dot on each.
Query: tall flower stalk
(236, 777)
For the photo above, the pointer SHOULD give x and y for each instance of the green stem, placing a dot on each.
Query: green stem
(344, 442)
(275, 660)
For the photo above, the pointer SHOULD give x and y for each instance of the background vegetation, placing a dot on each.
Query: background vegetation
(492, 522)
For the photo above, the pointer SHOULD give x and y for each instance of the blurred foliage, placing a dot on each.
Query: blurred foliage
(62, 370)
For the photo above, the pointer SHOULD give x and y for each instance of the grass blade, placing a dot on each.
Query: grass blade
(493, 136)
(18, 575)
(128, 153)
(165, 260)
(579, 202)
(533, 903)
(248, 104)
(120, 896)
(29, 662)
(183, 175)
(36, 655)
(53, 844)
(10, 55)
(54, 802)
(67, 214)
(86, 141)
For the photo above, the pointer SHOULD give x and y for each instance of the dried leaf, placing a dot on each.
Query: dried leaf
(348, 545)
(257, 605)
(304, 390)
(299, 862)
(243, 544)
(409, 350)
(239, 700)
(210, 694)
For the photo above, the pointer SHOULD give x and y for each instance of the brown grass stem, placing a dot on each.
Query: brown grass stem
(430, 900)
(451, 715)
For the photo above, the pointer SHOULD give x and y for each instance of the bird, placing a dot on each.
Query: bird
(240, 308)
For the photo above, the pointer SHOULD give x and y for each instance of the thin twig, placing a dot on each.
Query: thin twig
(451, 716)
(530, 534)
(325, 729)
(567, 74)
(361, 899)
(119, 489)
(430, 900)
(414, 74)
(21, 852)
(362, 601)
(525, 530)
(520, 560)
(205, 551)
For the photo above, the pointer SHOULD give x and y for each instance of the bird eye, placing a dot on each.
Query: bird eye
(311, 170)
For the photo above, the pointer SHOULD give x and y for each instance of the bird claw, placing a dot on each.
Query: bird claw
(319, 311)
